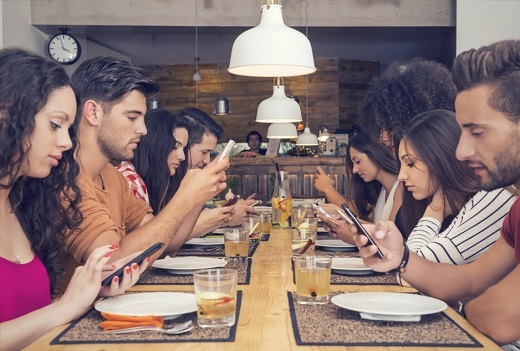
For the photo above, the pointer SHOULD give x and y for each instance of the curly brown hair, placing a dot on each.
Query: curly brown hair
(46, 208)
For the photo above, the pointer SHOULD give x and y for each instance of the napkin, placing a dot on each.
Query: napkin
(115, 321)
(390, 318)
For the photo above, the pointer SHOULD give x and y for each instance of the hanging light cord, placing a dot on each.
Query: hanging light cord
(196, 54)
(307, 76)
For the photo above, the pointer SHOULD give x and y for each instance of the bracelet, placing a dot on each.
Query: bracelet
(404, 261)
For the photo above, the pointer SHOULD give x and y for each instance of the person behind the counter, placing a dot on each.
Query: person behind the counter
(254, 140)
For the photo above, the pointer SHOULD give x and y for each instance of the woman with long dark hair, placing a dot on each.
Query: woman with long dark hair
(161, 162)
(374, 193)
(39, 202)
(431, 172)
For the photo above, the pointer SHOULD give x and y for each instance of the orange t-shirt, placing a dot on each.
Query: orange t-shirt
(114, 208)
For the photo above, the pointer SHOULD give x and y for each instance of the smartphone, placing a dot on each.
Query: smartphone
(227, 150)
(361, 229)
(148, 252)
(256, 202)
(232, 200)
(322, 211)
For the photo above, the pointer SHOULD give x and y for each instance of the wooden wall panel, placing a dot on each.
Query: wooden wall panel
(335, 92)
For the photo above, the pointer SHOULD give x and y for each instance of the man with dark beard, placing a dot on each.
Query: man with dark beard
(486, 291)
(111, 113)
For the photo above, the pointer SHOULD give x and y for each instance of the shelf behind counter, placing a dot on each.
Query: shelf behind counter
(256, 175)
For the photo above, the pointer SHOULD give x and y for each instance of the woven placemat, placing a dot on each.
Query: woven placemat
(331, 325)
(218, 251)
(157, 276)
(80, 331)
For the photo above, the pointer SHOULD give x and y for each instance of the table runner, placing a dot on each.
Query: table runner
(79, 332)
(157, 276)
(331, 325)
(218, 251)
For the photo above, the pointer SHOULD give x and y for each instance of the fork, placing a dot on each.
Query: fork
(181, 328)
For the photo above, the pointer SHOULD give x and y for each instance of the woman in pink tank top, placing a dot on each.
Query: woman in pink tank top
(37, 172)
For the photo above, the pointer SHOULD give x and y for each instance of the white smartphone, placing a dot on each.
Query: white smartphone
(227, 150)
(322, 211)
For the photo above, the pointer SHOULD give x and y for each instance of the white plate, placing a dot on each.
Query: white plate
(389, 304)
(166, 304)
(335, 245)
(350, 266)
(221, 230)
(188, 264)
(205, 241)
(312, 201)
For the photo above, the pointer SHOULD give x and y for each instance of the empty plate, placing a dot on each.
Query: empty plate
(388, 306)
(335, 245)
(166, 304)
(188, 264)
(205, 241)
(350, 266)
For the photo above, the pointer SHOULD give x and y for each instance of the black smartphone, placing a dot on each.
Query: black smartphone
(232, 200)
(361, 229)
(148, 252)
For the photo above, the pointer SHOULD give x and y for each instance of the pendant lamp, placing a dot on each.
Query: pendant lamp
(221, 106)
(282, 131)
(271, 49)
(153, 103)
(324, 135)
(278, 108)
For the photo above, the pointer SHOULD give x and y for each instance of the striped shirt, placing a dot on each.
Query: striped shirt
(473, 231)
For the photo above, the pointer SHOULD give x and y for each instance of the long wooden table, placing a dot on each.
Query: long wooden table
(264, 322)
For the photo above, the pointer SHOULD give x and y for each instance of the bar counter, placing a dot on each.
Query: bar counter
(256, 175)
(265, 314)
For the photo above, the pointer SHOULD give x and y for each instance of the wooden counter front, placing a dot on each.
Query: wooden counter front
(255, 174)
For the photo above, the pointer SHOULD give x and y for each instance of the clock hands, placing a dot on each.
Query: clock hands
(63, 47)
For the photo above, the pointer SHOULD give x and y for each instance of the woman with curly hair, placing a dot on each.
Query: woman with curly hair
(39, 202)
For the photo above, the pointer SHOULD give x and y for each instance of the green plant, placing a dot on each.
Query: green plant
(233, 183)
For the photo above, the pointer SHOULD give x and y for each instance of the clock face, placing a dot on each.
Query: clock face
(64, 48)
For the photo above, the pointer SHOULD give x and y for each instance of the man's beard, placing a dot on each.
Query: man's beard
(507, 170)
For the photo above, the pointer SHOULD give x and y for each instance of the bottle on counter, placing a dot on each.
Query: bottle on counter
(282, 200)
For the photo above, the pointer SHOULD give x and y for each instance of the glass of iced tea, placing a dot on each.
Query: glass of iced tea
(216, 294)
(312, 279)
(303, 241)
(252, 226)
(265, 225)
(236, 244)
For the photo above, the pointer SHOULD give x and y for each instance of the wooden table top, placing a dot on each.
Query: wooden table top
(264, 322)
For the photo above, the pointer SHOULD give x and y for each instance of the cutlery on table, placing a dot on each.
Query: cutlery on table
(181, 328)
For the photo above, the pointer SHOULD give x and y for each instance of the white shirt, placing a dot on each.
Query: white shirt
(384, 207)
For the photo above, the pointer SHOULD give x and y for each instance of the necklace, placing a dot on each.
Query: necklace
(16, 258)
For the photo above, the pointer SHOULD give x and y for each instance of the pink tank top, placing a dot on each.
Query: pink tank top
(23, 288)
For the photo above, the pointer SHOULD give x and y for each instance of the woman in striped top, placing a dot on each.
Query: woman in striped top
(460, 222)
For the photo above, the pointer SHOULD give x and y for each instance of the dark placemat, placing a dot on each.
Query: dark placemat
(80, 331)
(218, 251)
(332, 325)
(343, 279)
(157, 276)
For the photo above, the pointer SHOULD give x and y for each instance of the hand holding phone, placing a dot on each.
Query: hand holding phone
(227, 150)
(323, 212)
(360, 228)
(148, 252)
(232, 200)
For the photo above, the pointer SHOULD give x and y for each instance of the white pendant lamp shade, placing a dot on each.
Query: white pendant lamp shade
(307, 138)
(279, 108)
(324, 135)
(271, 49)
(282, 131)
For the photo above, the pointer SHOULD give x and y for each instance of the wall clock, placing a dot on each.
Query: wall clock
(64, 48)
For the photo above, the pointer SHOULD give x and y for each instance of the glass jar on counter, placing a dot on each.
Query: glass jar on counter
(282, 200)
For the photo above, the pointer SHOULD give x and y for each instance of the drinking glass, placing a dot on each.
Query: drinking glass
(252, 226)
(265, 225)
(216, 294)
(236, 244)
(312, 279)
(303, 241)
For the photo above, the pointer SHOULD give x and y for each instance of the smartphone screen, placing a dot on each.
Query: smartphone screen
(361, 229)
(148, 252)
